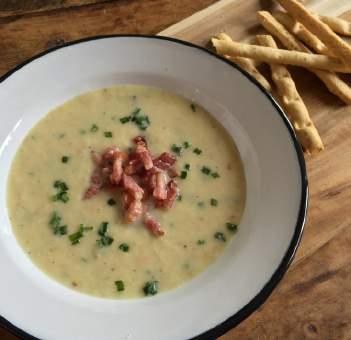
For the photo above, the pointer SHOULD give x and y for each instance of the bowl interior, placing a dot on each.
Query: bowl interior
(270, 228)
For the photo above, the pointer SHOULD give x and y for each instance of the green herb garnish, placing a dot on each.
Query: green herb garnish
(111, 202)
(179, 198)
(183, 175)
(151, 288)
(215, 174)
(232, 227)
(94, 128)
(75, 237)
(220, 236)
(125, 119)
(197, 151)
(61, 185)
(103, 228)
(187, 166)
(62, 194)
(135, 113)
(186, 145)
(193, 107)
(124, 247)
(214, 202)
(108, 134)
(141, 121)
(205, 170)
(200, 242)
(176, 149)
(119, 285)
(105, 240)
(64, 159)
(55, 222)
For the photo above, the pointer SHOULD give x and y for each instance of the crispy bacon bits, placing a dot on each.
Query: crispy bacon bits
(140, 178)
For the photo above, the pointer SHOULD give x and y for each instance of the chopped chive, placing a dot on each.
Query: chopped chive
(62, 230)
(215, 174)
(200, 242)
(103, 228)
(124, 247)
(187, 166)
(63, 197)
(64, 159)
(179, 198)
(220, 236)
(197, 151)
(186, 145)
(104, 241)
(125, 119)
(94, 128)
(193, 107)
(108, 134)
(55, 222)
(83, 228)
(205, 170)
(61, 185)
(119, 285)
(75, 237)
(183, 175)
(214, 202)
(55, 219)
(151, 288)
(232, 227)
(111, 202)
(135, 113)
(176, 149)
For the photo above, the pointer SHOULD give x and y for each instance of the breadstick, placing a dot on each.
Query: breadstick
(299, 30)
(247, 64)
(293, 103)
(272, 55)
(336, 45)
(338, 25)
(334, 84)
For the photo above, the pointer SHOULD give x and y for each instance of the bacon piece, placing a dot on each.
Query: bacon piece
(160, 191)
(117, 169)
(109, 154)
(165, 161)
(140, 140)
(133, 167)
(145, 156)
(132, 186)
(134, 210)
(97, 159)
(153, 225)
(172, 194)
(172, 172)
(96, 183)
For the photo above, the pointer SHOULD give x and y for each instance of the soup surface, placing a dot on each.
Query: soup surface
(134, 263)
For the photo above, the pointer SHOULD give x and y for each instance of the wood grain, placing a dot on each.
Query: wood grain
(20, 7)
(24, 36)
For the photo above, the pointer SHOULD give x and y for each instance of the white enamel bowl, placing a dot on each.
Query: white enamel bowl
(252, 264)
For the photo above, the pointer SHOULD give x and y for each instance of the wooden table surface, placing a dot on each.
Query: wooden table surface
(314, 299)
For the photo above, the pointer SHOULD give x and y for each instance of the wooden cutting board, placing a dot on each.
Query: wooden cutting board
(314, 299)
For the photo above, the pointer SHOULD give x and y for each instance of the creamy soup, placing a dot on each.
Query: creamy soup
(134, 263)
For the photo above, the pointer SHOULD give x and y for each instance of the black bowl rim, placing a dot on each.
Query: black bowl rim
(277, 276)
